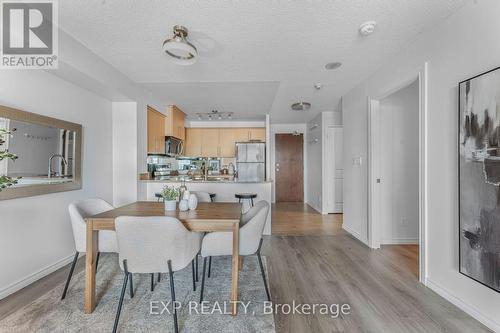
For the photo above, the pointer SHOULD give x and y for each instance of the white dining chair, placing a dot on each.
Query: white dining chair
(154, 244)
(78, 211)
(245, 217)
(220, 243)
(202, 196)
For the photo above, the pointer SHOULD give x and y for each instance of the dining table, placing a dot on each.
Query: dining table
(207, 217)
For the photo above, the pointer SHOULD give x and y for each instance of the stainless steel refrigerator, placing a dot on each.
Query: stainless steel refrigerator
(251, 161)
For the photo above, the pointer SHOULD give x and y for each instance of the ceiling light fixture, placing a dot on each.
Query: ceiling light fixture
(367, 28)
(318, 86)
(214, 113)
(333, 65)
(301, 106)
(180, 50)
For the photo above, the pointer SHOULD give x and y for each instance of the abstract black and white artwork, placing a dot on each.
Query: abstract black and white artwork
(479, 178)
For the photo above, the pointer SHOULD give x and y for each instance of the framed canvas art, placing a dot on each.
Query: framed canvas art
(479, 178)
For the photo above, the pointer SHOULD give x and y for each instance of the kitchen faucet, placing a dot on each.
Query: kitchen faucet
(50, 172)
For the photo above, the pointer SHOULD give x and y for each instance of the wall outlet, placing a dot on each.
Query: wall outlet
(357, 161)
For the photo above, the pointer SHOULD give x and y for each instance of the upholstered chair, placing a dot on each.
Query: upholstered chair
(154, 244)
(78, 211)
(220, 243)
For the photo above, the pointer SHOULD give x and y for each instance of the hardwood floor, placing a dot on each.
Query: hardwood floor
(312, 260)
(291, 218)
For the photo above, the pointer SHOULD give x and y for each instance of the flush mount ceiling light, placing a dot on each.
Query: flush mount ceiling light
(301, 106)
(367, 28)
(180, 50)
(214, 114)
(333, 65)
(318, 86)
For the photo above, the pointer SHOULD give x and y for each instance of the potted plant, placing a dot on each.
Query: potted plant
(170, 195)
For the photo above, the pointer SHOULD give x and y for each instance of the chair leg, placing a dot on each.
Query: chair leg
(122, 295)
(152, 281)
(209, 265)
(159, 277)
(263, 273)
(192, 271)
(196, 268)
(203, 279)
(75, 258)
(172, 293)
(131, 286)
(97, 261)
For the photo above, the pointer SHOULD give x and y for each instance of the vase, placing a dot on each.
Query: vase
(193, 201)
(186, 195)
(183, 205)
(170, 205)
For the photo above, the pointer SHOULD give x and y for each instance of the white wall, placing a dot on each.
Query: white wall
(463, 45)
(283, 129)
(316, 132)
(398, 157)
(36, 235)
(124, 152)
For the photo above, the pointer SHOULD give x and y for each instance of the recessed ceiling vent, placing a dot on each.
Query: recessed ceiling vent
(301, 106)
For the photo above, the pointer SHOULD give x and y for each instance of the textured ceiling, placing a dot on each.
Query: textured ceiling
(275, 48)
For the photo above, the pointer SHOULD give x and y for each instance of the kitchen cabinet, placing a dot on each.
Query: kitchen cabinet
(227, 140)
(175, 123)
(218, 142)
(156, 132)
(210, 142)
(258, 133)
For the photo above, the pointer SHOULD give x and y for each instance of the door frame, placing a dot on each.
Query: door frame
(374, 223)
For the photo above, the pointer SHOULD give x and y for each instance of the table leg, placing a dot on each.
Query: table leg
(90, 267)
(236, 252)
(240, 263)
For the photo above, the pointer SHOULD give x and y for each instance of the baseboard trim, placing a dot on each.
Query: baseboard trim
(471, 311)
(355, 234)
(26, 281)
(396, 241)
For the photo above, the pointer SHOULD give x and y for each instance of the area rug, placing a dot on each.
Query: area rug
(143, 313)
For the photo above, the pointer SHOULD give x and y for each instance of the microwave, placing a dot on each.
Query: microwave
(173, 147)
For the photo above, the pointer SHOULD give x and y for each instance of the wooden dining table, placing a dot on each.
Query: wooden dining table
(207, 217)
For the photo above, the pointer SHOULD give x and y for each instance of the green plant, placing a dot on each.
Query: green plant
(170, 193)
(5, 180)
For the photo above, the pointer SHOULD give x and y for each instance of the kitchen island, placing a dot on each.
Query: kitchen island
(223, 189)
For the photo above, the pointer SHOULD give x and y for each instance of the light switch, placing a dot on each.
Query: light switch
(357, 161)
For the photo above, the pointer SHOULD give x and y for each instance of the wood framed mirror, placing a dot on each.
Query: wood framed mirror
(48, 154)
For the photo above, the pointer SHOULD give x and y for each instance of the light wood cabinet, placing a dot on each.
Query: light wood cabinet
(258, 133)
(156, 132)
(210, 142)
(218, 142)
(192, 145)
(227, 141)
(175, 123)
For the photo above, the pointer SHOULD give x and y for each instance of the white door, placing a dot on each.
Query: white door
(335, 170)
(338, 134)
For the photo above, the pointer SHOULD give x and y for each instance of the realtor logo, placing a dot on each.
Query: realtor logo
(29, 34)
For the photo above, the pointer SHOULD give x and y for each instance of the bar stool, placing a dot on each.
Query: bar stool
(158, 197)
(248, 197)
(212, 197)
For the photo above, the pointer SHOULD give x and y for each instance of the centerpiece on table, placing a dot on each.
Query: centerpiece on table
(170, 195)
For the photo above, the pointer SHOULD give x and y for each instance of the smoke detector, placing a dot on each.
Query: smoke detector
(367, 28)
